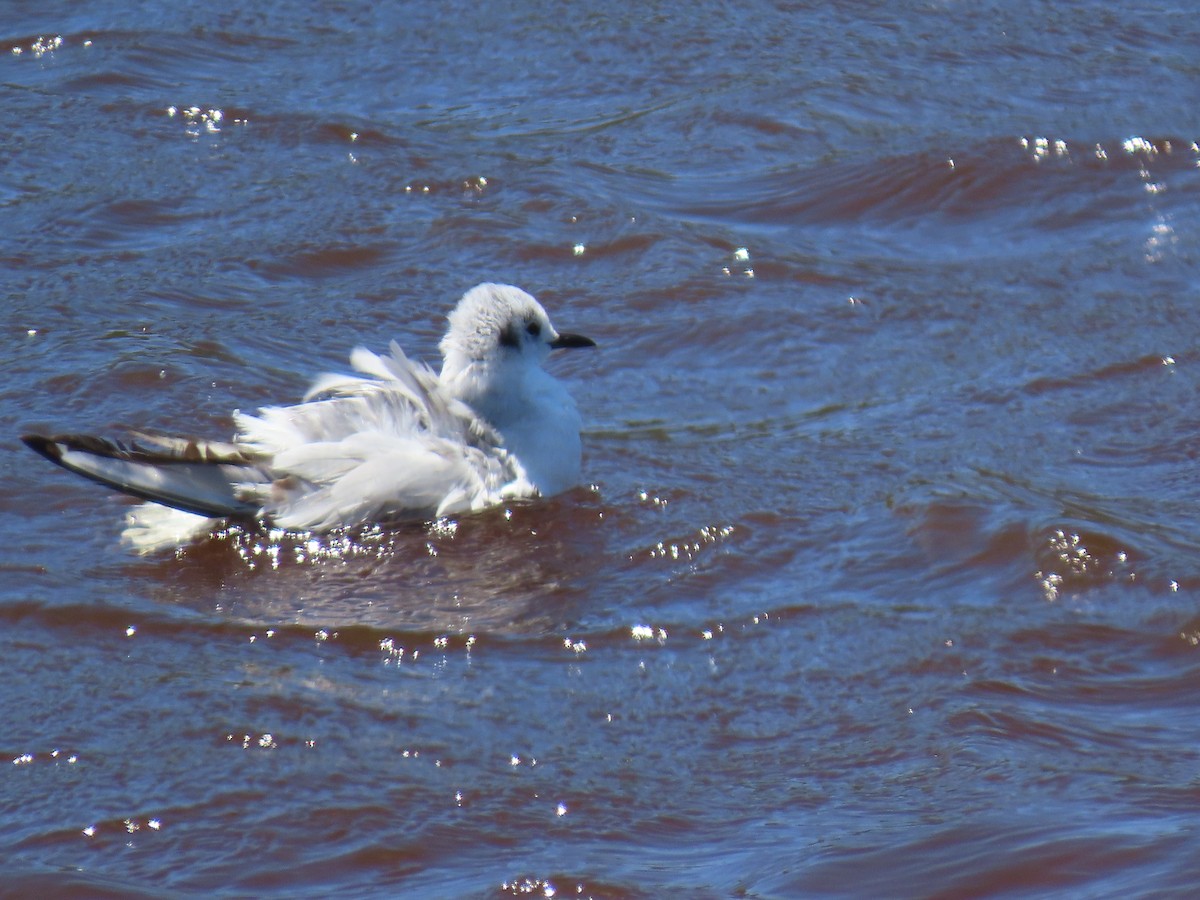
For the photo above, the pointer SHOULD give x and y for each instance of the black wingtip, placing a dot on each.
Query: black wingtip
(43, 446)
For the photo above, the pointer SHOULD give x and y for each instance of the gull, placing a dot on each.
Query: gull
(395, 441)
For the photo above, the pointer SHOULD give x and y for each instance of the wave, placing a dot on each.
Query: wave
(1010, 189)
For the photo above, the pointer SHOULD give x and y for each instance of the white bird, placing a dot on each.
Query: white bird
(395, 441)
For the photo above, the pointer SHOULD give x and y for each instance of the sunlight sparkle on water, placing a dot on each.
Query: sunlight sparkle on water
(1162, 237)
(647, 633)
(42, 46)
(278, 547)
(443, 528)
(1071, 562)
(689, 549)
(1137, 144)
(474, 186)
(1042, 148)
(264, 741)
(525, 886)
(198, 119)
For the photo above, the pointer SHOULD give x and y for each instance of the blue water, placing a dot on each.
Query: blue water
(883, 580)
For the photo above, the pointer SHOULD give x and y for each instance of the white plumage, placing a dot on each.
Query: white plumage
(395, 440)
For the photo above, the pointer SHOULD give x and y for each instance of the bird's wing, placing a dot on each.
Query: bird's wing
(202, 477)
(388, 442)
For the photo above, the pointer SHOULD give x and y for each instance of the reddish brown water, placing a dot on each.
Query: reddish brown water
(887, 581)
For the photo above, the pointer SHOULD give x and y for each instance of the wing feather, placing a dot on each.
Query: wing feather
(387, 442)
(188, 475)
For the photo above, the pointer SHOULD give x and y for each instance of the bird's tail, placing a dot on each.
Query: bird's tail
(207, 478)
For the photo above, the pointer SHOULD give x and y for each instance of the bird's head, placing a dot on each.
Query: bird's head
(497, 326)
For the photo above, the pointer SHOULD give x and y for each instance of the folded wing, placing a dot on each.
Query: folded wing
(199, 477)
(386, 443)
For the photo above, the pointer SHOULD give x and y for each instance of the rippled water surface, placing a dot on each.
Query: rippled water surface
(885, 579)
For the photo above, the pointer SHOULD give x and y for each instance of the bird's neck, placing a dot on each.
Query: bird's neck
(533, 413)
(497, 393)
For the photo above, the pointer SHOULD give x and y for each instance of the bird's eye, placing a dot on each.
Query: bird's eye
(534, 328)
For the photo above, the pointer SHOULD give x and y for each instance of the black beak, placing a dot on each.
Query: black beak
(567, 341)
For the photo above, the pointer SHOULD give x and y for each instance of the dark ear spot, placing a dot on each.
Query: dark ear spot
(509, 336)
(534, 328)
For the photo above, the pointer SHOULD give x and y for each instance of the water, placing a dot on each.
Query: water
(885, 577)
